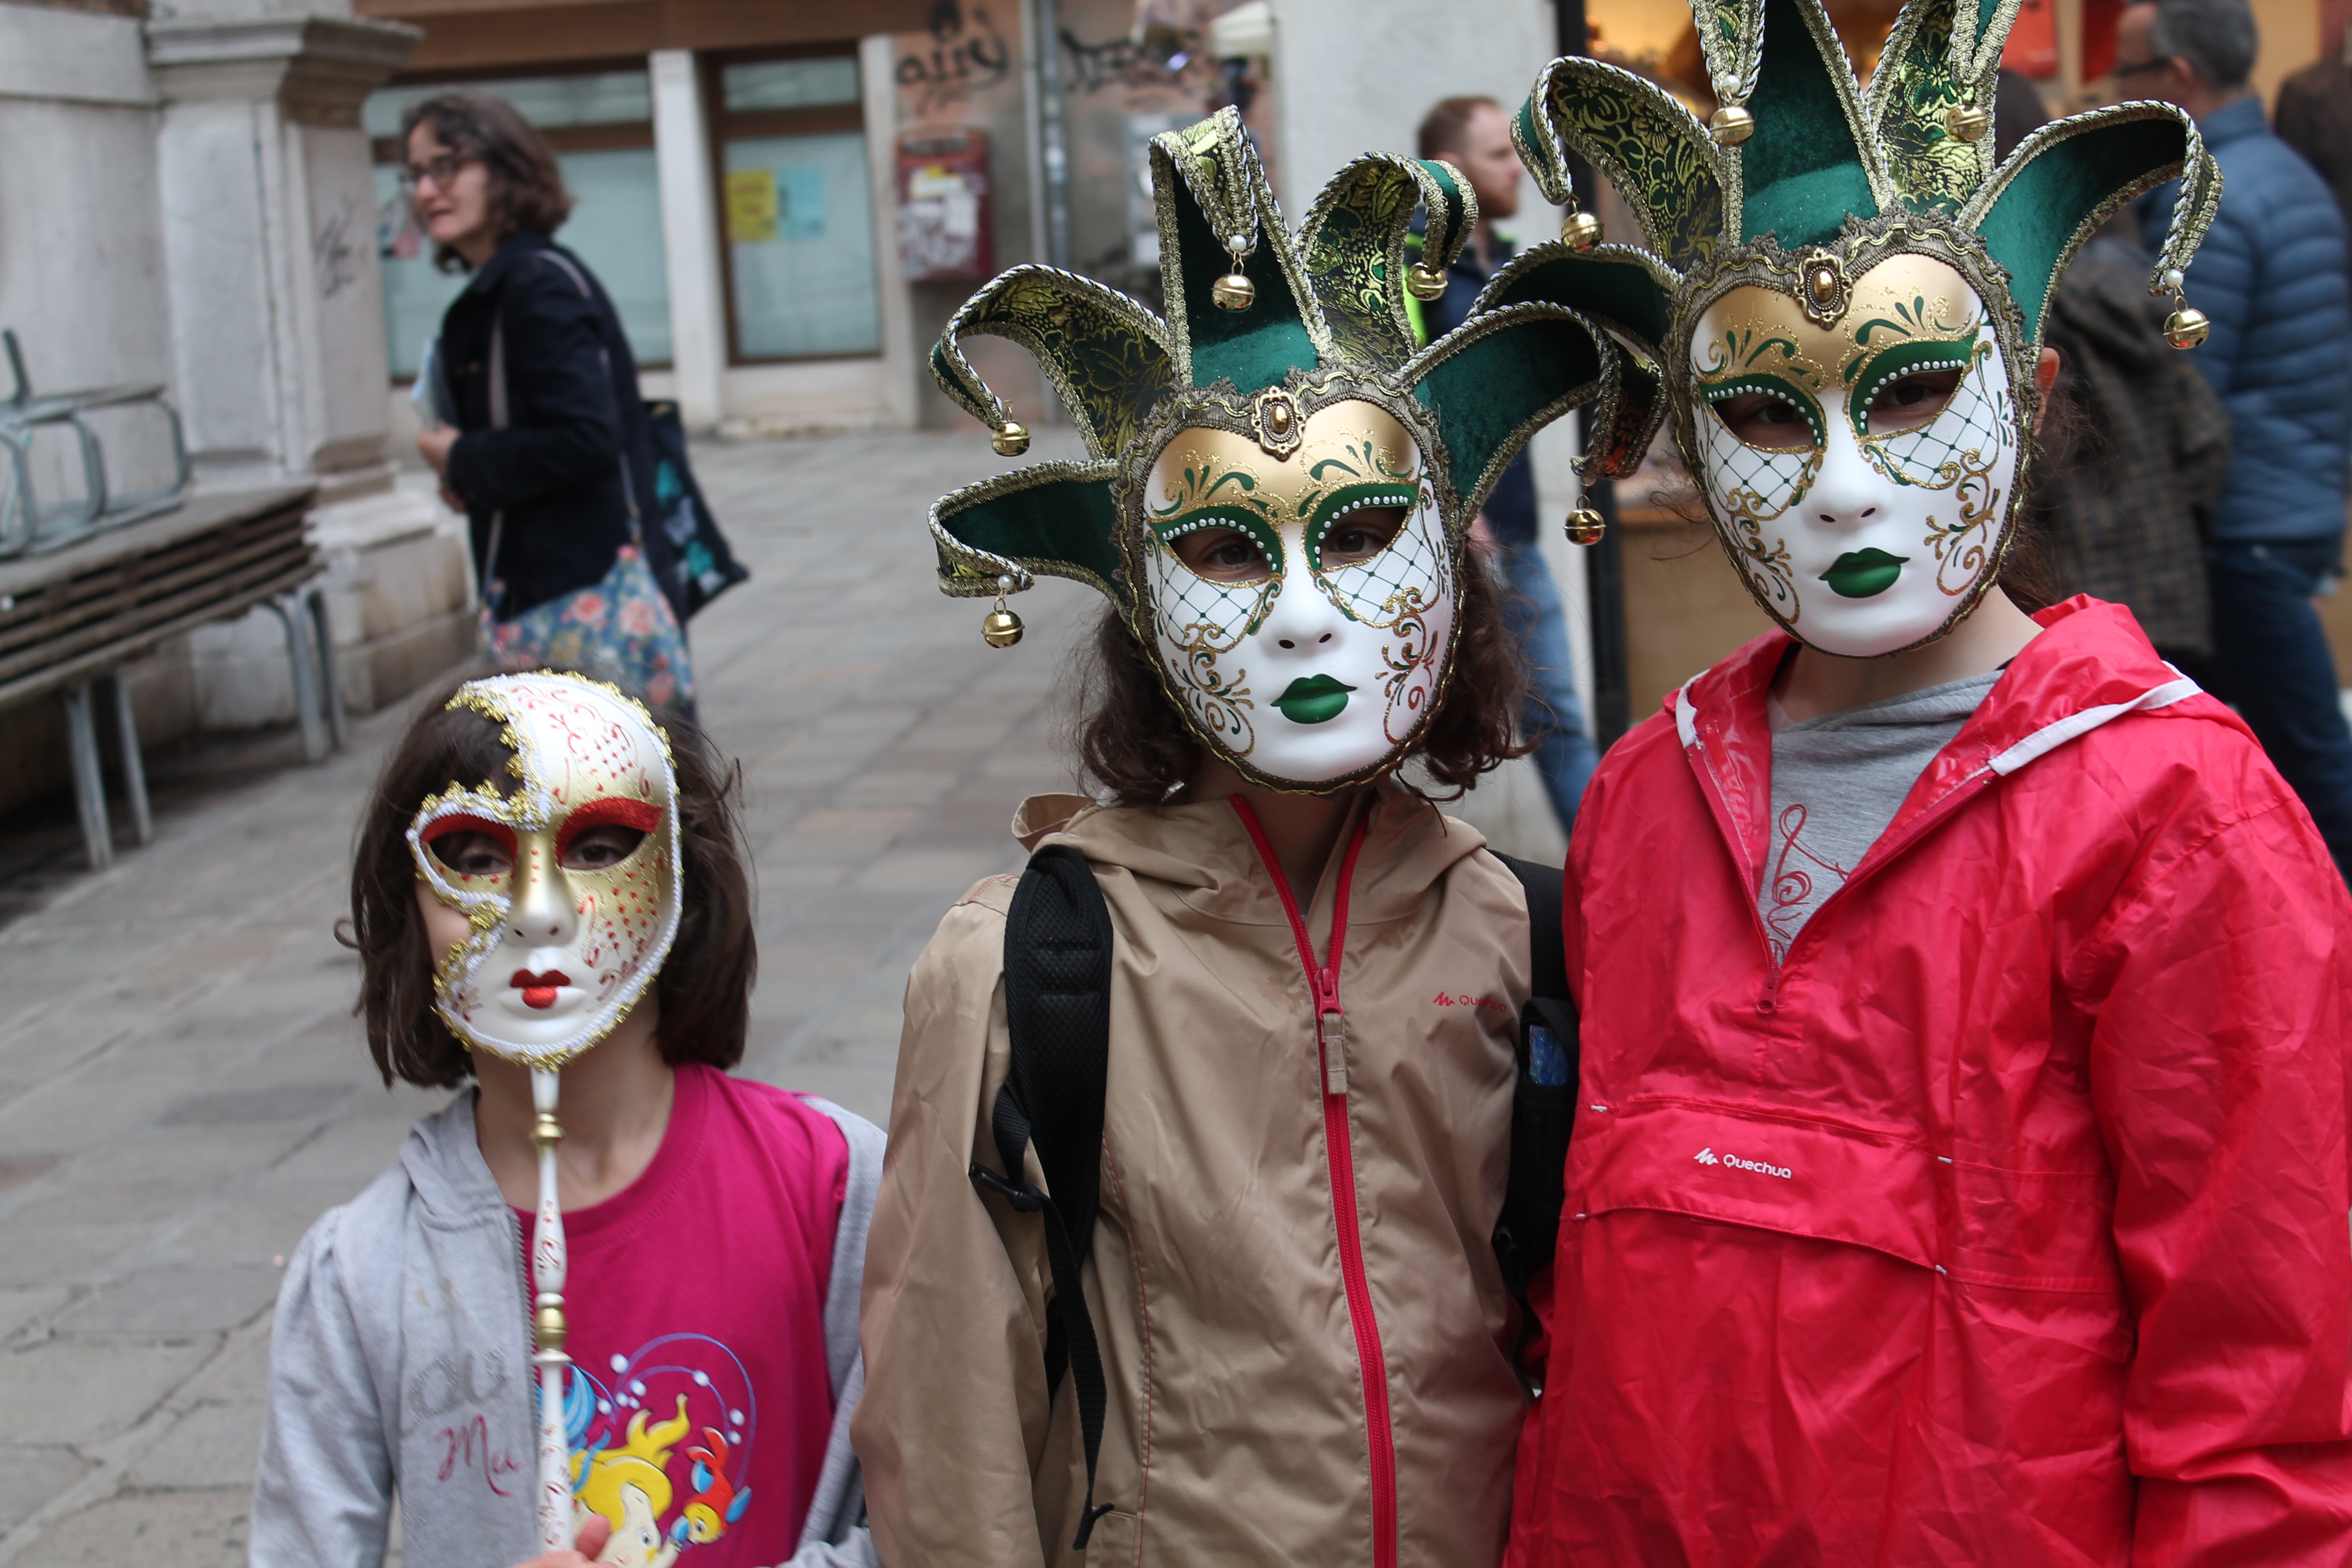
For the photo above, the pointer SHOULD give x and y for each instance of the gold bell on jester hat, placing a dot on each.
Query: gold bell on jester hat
(1579, 231)
(1001, 627)
(1424, 282)
(1010, 438)
(2187, 327)
(1731, 125)
(1585, 526)
(1235, 291)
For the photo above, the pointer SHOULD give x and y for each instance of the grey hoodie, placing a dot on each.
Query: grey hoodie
(400, 1361)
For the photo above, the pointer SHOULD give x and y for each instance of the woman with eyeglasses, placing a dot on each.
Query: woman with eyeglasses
(547, 448)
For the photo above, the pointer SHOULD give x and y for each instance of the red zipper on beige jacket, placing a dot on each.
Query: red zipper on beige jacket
(1331, 1056)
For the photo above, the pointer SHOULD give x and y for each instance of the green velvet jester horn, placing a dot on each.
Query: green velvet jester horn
(1328, 297)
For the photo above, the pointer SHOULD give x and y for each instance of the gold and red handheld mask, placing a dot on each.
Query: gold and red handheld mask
(569, 934)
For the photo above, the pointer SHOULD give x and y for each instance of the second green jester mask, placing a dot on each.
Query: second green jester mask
(1280, 483)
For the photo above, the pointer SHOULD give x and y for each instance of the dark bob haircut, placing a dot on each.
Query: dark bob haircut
(527, 189)
(704, 989)
(1135, 745)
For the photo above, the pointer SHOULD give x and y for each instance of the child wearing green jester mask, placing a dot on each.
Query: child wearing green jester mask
(1186, 1249)
(1959, 1172)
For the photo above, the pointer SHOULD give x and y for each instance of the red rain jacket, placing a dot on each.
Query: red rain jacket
(2006, 1222)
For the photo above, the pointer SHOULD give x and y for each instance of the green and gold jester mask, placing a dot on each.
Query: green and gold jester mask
(1843, 295)
(1279, 482)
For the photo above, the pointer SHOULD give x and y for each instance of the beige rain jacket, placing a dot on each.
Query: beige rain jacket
(1239, 1429)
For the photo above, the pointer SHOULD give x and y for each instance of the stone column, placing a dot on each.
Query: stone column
(902, 363)
(1351, 77)
(269, 237)
(277, 304)
(698, 315)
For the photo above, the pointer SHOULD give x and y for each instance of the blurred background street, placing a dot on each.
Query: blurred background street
(216, 296)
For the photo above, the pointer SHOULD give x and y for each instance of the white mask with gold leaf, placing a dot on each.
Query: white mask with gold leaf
(1860, 468)
(1301, 589)
(570, 875)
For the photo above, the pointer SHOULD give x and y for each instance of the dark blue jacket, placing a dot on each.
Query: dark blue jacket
(573, 469)
(2271, 274)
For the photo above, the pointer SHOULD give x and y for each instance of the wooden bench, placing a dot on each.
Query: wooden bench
(73, 619)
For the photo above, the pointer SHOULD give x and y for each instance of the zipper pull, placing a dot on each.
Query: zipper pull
(1770, 1001)
(1331, 1028)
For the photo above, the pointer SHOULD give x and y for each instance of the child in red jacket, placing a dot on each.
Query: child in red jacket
(1960, 1166)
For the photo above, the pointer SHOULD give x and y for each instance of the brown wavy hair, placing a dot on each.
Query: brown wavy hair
(704, 989)
(1135, 745)
(526, 188)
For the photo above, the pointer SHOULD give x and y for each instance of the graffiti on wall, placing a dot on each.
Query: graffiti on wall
(335, 249)
(962, 53)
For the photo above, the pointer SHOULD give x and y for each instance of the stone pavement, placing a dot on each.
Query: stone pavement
(184, 1090)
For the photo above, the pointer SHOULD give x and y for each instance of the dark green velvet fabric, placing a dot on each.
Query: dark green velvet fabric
(1803, 172)
(1254, 348)
(1061, 519)
(2035, 220)
(1442, 173)
(1597, 285)
(1484, 393)
(944, 372)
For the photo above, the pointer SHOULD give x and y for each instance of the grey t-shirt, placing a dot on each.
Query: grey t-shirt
(1837, 782)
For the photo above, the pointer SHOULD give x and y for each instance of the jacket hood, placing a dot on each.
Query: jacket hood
(1408, 846)
(2090, 666)
(446, 1167)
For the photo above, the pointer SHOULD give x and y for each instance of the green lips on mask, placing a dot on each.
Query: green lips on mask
(1859, 574)
(1312, 699)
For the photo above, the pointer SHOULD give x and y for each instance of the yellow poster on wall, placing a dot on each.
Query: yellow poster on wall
(750, 206)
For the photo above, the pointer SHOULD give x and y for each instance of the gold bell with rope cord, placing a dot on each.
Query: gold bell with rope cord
(1586, 526)
(1424, 282)
(1235, 291)
(1579, 230)
(1001, 627)
(1731, 125)
(1010, 438)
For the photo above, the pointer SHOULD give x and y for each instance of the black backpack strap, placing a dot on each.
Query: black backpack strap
(1542, 1114)
(1057, 961)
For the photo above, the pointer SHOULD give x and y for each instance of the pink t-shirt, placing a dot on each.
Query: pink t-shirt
(700, 1403)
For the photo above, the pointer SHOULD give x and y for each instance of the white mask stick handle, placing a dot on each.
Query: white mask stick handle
(548, 1261)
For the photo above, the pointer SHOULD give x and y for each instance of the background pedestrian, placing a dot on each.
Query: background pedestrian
(2134, 444)
(2315, 118)
(1474, 136)
(547, 446)
(2271, 276)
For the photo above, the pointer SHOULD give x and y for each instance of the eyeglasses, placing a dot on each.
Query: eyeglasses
(2139, 68)
(440, 172)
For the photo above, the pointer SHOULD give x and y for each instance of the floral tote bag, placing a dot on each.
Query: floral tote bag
(620, 630)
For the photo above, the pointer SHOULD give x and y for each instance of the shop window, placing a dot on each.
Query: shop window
(796, 208)
(600, 126)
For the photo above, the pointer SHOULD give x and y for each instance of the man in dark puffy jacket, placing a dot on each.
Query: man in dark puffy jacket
(2272, 277)
(1474, 134)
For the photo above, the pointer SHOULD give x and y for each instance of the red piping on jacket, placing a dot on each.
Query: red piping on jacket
(1323, 984)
